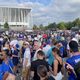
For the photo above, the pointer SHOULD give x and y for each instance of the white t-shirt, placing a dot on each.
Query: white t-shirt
(27, 55)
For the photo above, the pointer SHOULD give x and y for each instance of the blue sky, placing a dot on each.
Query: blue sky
(45, 2)
(48, 11)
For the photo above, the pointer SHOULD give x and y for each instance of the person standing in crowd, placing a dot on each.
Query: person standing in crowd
(15, 56)
(49, 56)
(57, 65)
(34, 65)
(46, 47)
(37, 45)
(73, 60)
(7, 65)
(26, 61)
(22, 50)
(43, 73)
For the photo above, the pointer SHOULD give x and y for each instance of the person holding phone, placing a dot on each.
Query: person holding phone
(73, 60)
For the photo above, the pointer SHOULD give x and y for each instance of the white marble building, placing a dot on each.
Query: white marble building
(16, 16)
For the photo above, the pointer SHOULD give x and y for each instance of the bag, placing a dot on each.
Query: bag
(64, 43)
(77, 70)
(64, 53)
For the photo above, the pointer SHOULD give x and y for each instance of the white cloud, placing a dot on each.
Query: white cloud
(56, 11)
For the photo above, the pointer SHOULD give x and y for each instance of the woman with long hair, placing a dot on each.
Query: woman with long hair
(57, 65)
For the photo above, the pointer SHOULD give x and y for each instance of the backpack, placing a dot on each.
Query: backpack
(77, 70)
(65, 52)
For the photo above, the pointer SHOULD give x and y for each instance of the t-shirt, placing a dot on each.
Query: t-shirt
(73, 61)
(1, 72)
(6, 68)
(34, 66)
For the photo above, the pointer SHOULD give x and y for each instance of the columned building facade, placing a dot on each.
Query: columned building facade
(16, 16)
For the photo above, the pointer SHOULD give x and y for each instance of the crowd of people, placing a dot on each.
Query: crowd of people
(40, 56)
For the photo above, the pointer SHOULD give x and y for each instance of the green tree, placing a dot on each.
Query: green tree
(51, 26)
(69, 25)
(6, 25)
(35, 27)
(76, 22)
(61, 26)
(41, 27)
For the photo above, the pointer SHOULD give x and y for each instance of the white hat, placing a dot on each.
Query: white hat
(74, 39)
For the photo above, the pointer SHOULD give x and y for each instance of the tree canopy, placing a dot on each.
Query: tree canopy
(6, 25)
(61, 25)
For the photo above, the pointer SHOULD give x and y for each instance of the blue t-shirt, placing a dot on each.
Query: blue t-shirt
(6, 68)
(73, 61)
(50, 57)
(1, 72)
